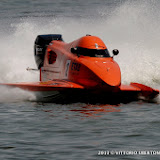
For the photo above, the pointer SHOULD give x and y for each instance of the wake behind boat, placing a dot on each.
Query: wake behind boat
(82, 70)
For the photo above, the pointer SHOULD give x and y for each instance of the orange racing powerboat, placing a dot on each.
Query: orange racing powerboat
(80, 70)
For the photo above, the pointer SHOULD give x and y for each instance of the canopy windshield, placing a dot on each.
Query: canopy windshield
(93, 52)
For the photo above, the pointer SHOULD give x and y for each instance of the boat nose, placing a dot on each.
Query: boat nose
(109, 72)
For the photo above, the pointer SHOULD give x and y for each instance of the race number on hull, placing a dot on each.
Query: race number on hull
(67, 68)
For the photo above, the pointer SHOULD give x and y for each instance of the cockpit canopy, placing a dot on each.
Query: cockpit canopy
(90, 46)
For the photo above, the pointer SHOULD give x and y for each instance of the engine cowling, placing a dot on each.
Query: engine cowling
(41, 43)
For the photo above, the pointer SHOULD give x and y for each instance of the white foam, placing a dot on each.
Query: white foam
(15, 95)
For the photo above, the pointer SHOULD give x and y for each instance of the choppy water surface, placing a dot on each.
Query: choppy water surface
(43, 131)
(77, 131)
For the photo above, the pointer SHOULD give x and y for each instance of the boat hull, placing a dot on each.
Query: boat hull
(89, 96)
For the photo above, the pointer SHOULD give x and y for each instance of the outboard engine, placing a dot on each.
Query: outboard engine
(41, 43)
